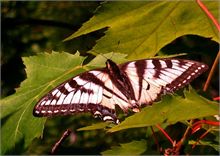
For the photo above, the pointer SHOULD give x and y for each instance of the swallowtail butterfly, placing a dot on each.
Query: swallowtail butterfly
(129, 85)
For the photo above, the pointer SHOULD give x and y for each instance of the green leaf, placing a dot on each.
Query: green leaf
(131, 148)
(144, 27)
(206, 143)
(44, 72)
(96, 126)
(100, 60)
(171, 109)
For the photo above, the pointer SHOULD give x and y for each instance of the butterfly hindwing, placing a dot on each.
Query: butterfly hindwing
(152, 77)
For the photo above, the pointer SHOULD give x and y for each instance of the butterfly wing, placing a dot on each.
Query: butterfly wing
(91, 91)
(97, 92)
(150, 78)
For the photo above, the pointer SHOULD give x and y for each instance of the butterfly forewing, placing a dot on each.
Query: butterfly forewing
(84, 93)
(128, 85)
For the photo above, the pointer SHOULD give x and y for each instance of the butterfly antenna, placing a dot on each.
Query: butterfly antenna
(116, 50)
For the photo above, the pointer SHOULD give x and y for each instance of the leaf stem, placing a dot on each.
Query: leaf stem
(208, 122)
(211, 72)
(209, 14)
(165, 134)
(63, 137)
(217, 25)
(155, 139)
(179, 144)
(202, 136)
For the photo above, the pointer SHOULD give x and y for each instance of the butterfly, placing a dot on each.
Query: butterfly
(130, 86)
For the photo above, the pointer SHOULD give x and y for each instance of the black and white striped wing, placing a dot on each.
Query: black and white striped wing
(150, 78)
(98, 91)
(91, 91)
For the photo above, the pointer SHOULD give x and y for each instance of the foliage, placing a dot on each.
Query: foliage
(131, 148)
(139, 37)
(170, 110)
(127, 30)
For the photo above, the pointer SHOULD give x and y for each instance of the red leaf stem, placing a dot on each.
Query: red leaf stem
(165, 134)
(209, 14)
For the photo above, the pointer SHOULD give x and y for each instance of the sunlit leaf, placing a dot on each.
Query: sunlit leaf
(96, 126)
(206, 143)
(171, 109)
(44, 72)
(131, 148)
(140, 29)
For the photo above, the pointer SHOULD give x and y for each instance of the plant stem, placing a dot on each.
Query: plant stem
(63, 137)
(165, 133)
(211, 72)
(209, 14)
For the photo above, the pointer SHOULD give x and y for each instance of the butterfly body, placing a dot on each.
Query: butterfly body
(120, 79)
(129, 85)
